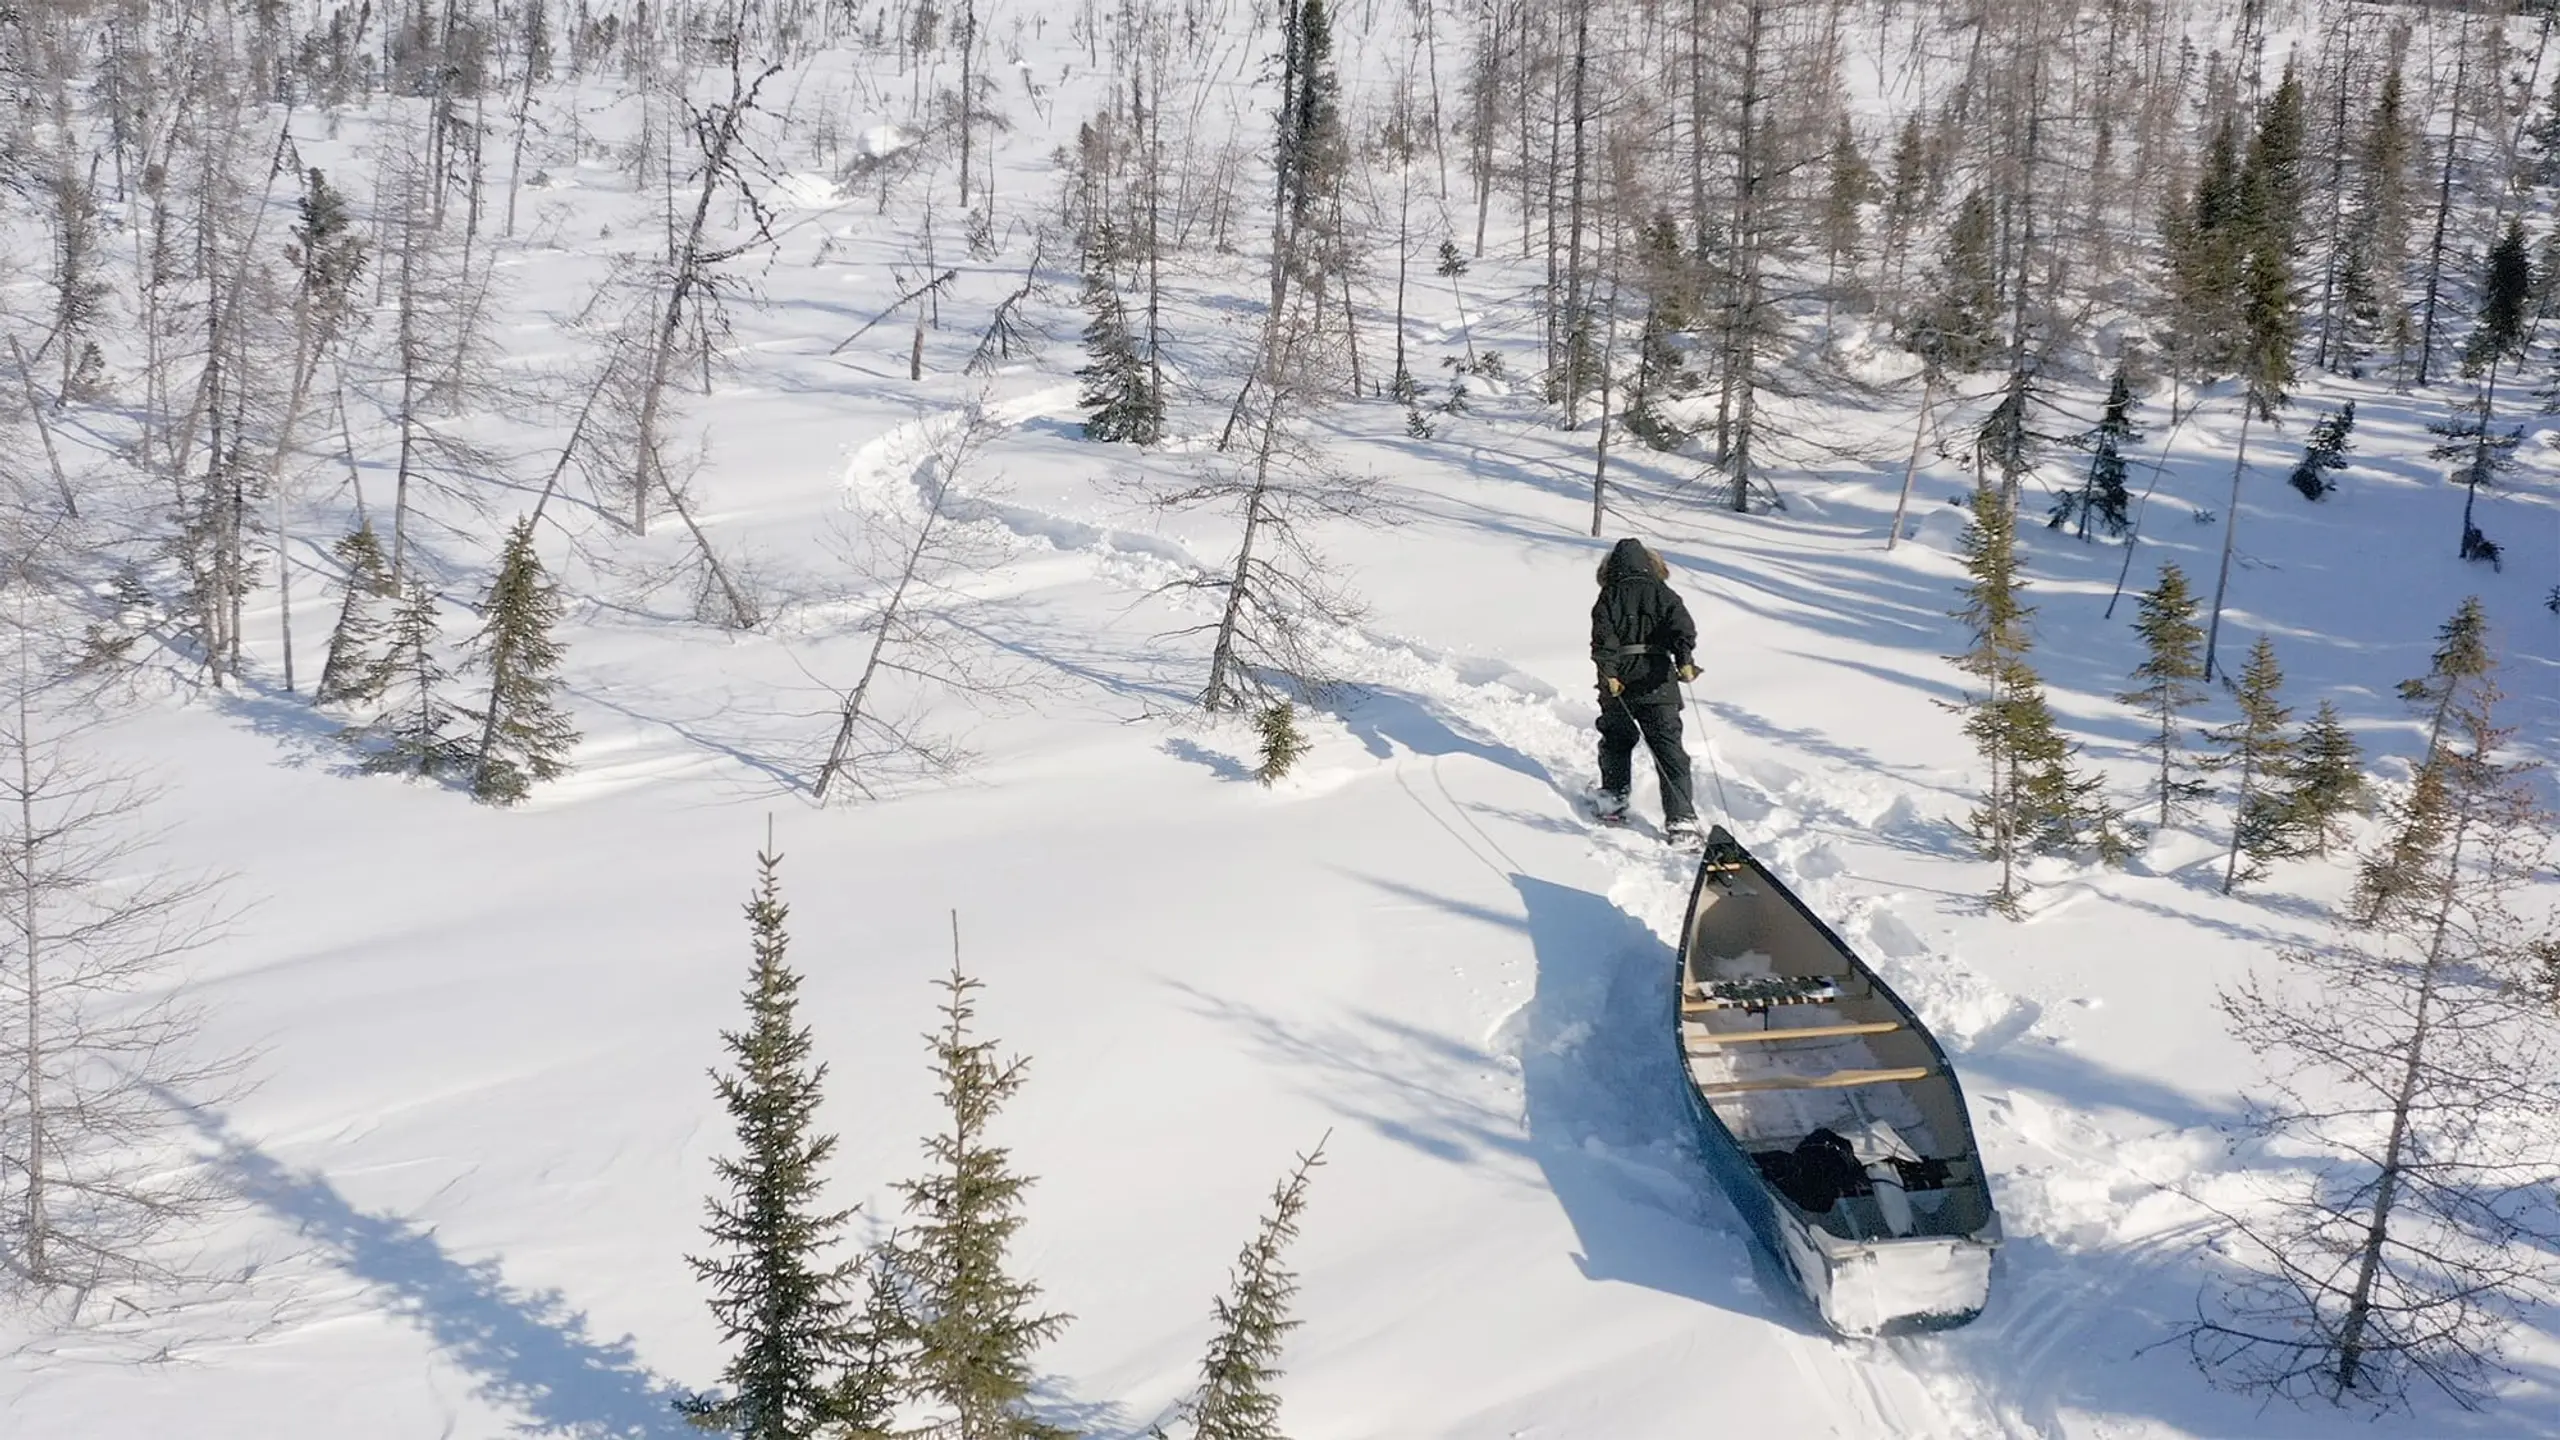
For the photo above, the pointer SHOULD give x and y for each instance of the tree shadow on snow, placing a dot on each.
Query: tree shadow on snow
(1385, 719)
(527, 1351)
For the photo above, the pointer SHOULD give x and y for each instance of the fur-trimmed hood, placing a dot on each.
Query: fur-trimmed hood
(1630, 557)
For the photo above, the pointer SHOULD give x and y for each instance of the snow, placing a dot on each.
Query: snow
(474, 1160)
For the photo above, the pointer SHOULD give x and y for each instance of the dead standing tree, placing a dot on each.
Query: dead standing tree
(917, 549)
(96, 1036)
(1278, 595)
(2415, 1058)
(692, 287)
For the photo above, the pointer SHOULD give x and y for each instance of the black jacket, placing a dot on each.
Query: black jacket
(1637, 609)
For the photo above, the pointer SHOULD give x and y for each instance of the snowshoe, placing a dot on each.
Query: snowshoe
(1608, 807)
(1685, 832)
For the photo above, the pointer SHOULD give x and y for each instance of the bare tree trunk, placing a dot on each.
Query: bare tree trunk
(2444, 209)
(1222, 654)
(690, 261)
(515, 161)
(1911, 468)
(35, 409)
(2404, 1098)
(1577, 325)
(2230, 533)
(39, 1227)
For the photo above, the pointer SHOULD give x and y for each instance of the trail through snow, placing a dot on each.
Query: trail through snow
(1604, 1064)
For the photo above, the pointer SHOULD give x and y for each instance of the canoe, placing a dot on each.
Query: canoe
(1827, 1110)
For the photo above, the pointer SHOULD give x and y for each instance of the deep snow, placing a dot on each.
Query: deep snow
(475, 1158)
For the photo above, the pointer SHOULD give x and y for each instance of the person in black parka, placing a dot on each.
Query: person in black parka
(1643, 645)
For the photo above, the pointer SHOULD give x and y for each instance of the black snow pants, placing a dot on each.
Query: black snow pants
(1654, 717)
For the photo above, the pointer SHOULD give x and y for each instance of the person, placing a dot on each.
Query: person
(1644, 645)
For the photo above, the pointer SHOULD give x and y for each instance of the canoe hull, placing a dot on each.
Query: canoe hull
(1864, 1282)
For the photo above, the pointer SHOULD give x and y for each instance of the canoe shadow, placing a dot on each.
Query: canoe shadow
(1608, 1125)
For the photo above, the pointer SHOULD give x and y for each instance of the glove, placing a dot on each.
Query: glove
(1612, 686)
(1688, 672)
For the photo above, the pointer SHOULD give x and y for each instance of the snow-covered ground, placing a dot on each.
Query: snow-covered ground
(474, 1159)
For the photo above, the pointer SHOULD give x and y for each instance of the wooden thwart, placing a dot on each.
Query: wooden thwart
(1829, 1080)
(1800, 1032)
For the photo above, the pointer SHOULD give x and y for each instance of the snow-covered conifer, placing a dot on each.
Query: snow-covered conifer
(2412, 1075)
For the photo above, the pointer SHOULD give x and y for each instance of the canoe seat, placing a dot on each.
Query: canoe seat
(1828, 1080)
(1800, 1032)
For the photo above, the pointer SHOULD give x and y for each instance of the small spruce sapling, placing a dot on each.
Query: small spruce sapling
(525, 735)
(2332, 436)
(412, 733)
(2259, 747)
(353, 673)
(1236, 1400)
(973, 1326)
(2103, 495)
(1120, 400)
(2172, 666)
(2033, 801)
(779, 1295)
(2328, 783)
(1283, 743)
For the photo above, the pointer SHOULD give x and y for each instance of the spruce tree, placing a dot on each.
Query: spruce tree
(354, 673)
(1662, 367)
(2258, 745)
(1120, 400)
(412, 731)
(2332, 436)
(974, 1327)
(2103, 495)
(1236, 1400)
(780, 1297)
(1965, 314)
(2033, 802)
(2505, 292)
(2327, 784)
(525, 735)
(2201, 239)
(2271, 215)
(2173, 663)
(2386, 879)
(1282, 742)
(2382, 205)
